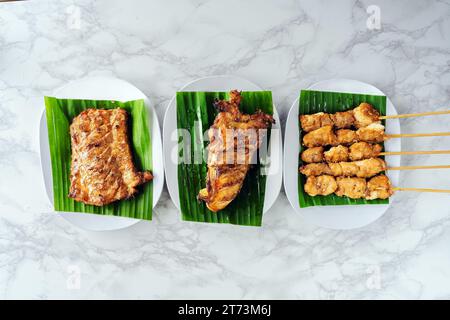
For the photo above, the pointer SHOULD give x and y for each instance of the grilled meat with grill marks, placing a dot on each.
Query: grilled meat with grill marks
(234, 139)
(102, 169)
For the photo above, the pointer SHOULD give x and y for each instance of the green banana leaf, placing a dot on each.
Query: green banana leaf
(195, 114)
(60, 113)
(323, 101)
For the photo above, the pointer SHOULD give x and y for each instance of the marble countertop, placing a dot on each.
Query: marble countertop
(281, 45)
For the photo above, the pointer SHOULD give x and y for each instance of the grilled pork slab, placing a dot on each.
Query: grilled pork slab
(234, 139)
(102, 169)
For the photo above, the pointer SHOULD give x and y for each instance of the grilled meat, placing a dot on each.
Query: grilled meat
(337, 154)
(359, 117)
(310, 122)
(362, 169)
(320, 185)
(325, 136)
(378, 187)
(357, 151)
(102, 169)
(312, 155)
(365, 115)
(363, 150)
(234, 139)
(354, 188)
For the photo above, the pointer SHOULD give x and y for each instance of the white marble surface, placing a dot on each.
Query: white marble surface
(281, 45)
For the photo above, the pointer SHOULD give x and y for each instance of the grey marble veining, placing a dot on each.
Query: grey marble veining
(281, 45)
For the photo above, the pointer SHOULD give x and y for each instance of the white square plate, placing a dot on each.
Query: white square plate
(341, 216)
(170, 137)
(100, 88)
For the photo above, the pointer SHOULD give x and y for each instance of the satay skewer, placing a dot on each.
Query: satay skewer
(355, 152)
(361, 116)
(362, 169)
(378, 187)
(374, 133)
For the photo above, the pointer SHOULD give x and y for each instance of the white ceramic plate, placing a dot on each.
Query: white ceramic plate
(100, 88)
(220, 83)
(336, 217)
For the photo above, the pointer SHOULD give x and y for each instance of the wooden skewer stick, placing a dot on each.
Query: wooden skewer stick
(408, 115)
(413, 135)
(419, 167)
(421, 190)
(397, 153)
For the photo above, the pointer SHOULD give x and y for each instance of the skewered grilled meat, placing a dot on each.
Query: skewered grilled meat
(365, 115)
(316, 169)
(227, 166)
(378, 187)
(373, 133)
(357, 151)
(102, 170)
(337, 154)
(345, 136)
(359, 117)
(362, 169)
(320, 185)
(354, 188)
(343, 120)
(310, 122)
(313, 155)
(363, 150)
(325, 136)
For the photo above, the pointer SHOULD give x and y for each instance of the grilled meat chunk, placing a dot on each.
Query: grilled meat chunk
(365, 115)
(379, 187)
(102, 169)
(310, 122)
(339, 153)
(312, 155)
(354, 188)
(343, 120)
(320, 185)
(363, 150)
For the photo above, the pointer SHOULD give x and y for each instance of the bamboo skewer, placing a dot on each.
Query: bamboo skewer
(413, 135)
(422, 190)
(409, 115)
(419, 167)
(397, 153)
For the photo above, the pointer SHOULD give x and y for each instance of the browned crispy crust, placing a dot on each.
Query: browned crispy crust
(102, 169)
(228, 159)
